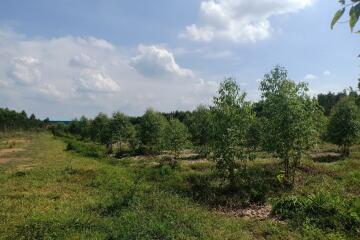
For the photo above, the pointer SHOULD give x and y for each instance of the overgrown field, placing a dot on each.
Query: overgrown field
(49, 190)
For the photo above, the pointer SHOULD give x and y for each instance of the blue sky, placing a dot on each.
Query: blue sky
(68, 58)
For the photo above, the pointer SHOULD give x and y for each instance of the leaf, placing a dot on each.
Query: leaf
(337, 16)
(354, 15)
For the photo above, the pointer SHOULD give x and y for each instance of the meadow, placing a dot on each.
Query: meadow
(49, 192)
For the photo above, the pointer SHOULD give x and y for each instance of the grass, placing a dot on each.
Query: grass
(59, 194)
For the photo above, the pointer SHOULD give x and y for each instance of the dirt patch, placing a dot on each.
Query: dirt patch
(17, 140)
(10, 159)
(254, 212)
(10, 150)
(24, 167)
(189, 162)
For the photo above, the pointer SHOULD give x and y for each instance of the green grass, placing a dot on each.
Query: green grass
(59, 194)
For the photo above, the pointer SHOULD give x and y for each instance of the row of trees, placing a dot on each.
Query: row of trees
(11, 120)
(153, 134)
(285, 122)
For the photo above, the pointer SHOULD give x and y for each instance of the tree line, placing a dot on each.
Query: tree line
(286, 122)
(11, 120)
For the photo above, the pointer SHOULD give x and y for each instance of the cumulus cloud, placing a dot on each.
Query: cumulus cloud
(239, 20)
(49, 90)
(327, 73)
(153, 61)
(68, 76)
(309, 77)
(96, 42)
(94, 81)
(24, 70)
(83, 61)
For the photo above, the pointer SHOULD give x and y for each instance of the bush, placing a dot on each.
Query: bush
(322, 210)
(86, 149)
(169, 161)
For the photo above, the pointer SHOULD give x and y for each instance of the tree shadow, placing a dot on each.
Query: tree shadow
(253, 187)
(327, 157)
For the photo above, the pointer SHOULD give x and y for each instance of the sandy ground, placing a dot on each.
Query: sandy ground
(4, 152)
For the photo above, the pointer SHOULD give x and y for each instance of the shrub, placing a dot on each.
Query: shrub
(322, 210)
(86, 149)
(344, 125)
(169, 161)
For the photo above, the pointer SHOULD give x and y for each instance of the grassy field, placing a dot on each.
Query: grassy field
(47, 192)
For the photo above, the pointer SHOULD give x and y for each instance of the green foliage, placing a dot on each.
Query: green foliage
(254, 133)
(322, 210)
(354, 12)
(59, 129)
(85, 148)
(344, 124)
(11, 120)
(122, 132)
(231, 118)
(152, 132)
(329, 100)
(289, 123)
(176, 137)
(100, 130)
(80, 127)
(200, 129)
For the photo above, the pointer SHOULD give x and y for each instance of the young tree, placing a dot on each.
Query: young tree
(232, 117)
(253, 136)
(151, 131)
(200, 129)
(289, 126)
(100, 130)
(344, 125)
(176, 137)
(84, 125)
(122, 131)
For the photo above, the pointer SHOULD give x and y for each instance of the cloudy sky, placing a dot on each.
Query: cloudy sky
(63, 59)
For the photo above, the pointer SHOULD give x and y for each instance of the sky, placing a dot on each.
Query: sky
(64, 59)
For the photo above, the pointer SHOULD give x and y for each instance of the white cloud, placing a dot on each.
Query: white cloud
(309, 77)
(100, 43)
(327, 73)
(3, 84)
(49, 90)
(69, 76)
(82, 60)
(239, 20)
(24, 70)
(94, 81)
(154, 61)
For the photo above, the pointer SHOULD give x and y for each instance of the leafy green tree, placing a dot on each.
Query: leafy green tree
(100, 130)
(176, 137)
(152, 131)
(344, 124)
(329, 100)
(253, 136)
(122, 131)
(289, 126)
(231, 116)
(200, 129)
(353, 7)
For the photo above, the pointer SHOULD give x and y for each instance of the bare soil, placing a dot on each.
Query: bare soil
(253, 212)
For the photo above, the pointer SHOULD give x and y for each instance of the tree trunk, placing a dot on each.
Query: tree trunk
(345, 150)
(232, 177)
(287, 175)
